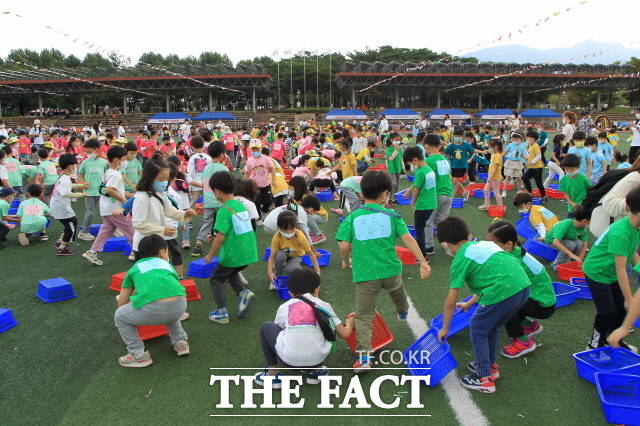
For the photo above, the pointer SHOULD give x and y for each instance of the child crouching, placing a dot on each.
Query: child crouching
(151, 295)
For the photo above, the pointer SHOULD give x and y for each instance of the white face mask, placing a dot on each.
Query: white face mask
(92, 156)
(445, 246)
(123, 165)
(523, 211)
(287, 235)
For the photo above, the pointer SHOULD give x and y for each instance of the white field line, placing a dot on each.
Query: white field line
(466, 411)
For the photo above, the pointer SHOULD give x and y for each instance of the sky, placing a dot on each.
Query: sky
(245, 29)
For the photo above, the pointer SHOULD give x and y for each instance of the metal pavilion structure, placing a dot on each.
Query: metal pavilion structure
(159, 81)
(436, 78)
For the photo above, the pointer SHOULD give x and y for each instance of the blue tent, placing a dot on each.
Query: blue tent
(346, 114)
(400, 114)
(217, 115)
(495, 114)
(540, 113)
(168, 117)
(454, 114)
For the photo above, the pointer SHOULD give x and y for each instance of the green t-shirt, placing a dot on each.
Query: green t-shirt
(93, 172)
(14, 170)
(352, 183)
(373, 232)
(4, 209)
(490, 272)
(209, 200)
(575, 187)
(442, 168)
(239, 247)
(620, 239)
(425, 180)
(541, 288)
(459, 154)
(566, 230)
(153, 279)
(49, 172)
(133, 172)
(29, 171)
(32, 213)
(395, 165)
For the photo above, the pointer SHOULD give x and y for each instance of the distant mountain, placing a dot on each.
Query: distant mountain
(606, 53)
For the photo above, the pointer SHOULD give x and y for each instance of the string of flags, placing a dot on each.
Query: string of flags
(585, 82)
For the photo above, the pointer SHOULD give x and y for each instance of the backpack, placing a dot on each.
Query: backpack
(323, 318)
(600, 189)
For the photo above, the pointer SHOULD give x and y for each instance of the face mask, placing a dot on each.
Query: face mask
(256, 154)
(572, 174)
(396, 142)
(579, 144)
(457, 139)
(413, 168)
(523, 211)
(92, 156)
(160, 186)
(446, 250)
(123, 165)
(287, 235)
(291, 193)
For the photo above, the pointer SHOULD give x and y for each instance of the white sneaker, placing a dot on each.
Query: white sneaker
(483, 207)
(92, 257)
(132, 257)
(259, 222)
(465, 197)
(85, 236)
(181, 348)
(129, 360)
(504, 194)
(185, 316)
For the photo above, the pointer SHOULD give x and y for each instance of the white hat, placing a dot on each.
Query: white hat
(255, 143)
(246, 137)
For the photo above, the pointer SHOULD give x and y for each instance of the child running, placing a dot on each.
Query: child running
(61, 197)
(91, 171)
(494, 175)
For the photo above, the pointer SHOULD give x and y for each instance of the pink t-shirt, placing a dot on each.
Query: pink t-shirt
(301, 171)
(329, 153)
(259, 170)
(278, 149)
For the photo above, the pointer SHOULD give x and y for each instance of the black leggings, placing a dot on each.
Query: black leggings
(633, 153)
(264, 199)
(70, 231)
(532, 309)
(4, 230)
(536, 174)
(175, 255)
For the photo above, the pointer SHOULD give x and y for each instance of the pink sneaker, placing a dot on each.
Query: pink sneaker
(517, 348)
(533, 329)
(317, 239)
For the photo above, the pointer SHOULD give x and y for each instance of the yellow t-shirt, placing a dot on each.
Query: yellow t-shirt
(364, 154)
(348, 165)
(278, 184)
(540, 214)
(311, 164)
(533, 151)
(323, 212)
(296, 246)
(495, 167)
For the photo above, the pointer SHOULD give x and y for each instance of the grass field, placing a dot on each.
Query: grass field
(59, 366)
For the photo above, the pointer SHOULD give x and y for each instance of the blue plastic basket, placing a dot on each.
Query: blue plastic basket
(565, 294)
(483, 176)
(12, 211)
(401, 200)
(457, 203)
(536, 202)
(603, 360)
(200, 269)
(341, 219)
(7, 320)
(325, 196)
(410, 178)
(540, 249)
(581, 283)
(524, 228)
(282, 288)
(115, 244)
(55, 290)
(15, 203)
(620, 397)
(637, 323)
(127, 250)
(554, 186)
(412, 230)
(323, 260)
(428, 357)
(459, 321)
(267, 253)
(94, 229)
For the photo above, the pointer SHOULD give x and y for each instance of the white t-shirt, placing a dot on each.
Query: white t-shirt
(358, 145)
(112, 179)
(61, 204)
(636, 136)
(183, 197)
(271, 221)
(447, 122)
(568, 130)
(172, 223)
(3, 173)
(4, 132)
(301, 342)
(250, 206)
(121, 131)
(196, 166)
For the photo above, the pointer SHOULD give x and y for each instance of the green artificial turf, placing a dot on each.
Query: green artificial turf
(59, 366)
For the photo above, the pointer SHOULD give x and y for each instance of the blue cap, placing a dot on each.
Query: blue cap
(6, 191)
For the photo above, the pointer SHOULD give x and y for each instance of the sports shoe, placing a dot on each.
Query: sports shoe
(258, 379)
(57, 244)
(465, 196)
(63, 251)
(132, 257)
(313, 376)
(181, 348)
(220, 316)
(403, 315)
(22, 238)
(430, 251)
(185, 316)
(504, 194)
(317, 239)
(244, 302)
(483, 207)
(338, 212)
(197, 251)
(186, 245)
(85, 236)
(493, 369)
(130, 361)
(629, 347)
(92, 257)
(533, 329)
(259, 222)
(363, 365)
(517, 348)
(480, 384)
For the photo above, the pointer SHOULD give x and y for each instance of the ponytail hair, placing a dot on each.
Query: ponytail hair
(505, 232)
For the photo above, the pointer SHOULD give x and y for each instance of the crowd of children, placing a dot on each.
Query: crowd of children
(150, 189)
